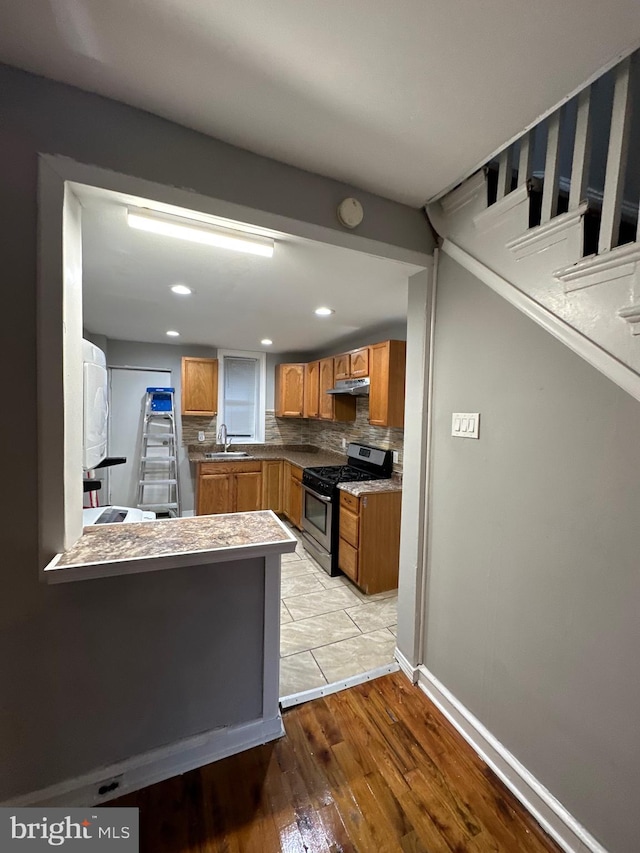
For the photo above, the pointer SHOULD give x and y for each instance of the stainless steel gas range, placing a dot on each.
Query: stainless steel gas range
(320, 499)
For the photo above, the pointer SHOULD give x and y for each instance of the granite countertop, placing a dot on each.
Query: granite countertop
(372, 487)
(115, 548)
(304, 455)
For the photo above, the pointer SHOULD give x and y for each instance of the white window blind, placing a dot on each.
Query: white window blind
(241, 403)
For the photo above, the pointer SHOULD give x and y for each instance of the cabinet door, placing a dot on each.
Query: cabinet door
(311, 389)
(290, 390)
(341, 366)
(349, 527)
(199, 386)
(248, 492)
(348, 560)
(359, 363)
(326, 382)
(296, 503)
(387, 362)
(214, 494)
(272, 485)
(286, 489)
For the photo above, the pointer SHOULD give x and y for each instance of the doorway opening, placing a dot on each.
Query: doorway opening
(348, 606)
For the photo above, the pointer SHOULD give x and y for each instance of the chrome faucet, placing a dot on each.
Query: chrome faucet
(223, 438)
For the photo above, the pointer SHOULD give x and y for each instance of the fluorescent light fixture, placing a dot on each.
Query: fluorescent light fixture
(181, 289)
(266, 342)
(173, 334)
(200, 232)
(324, 312)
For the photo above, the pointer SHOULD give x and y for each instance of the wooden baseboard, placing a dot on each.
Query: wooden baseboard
(153, 766)
(539, 801)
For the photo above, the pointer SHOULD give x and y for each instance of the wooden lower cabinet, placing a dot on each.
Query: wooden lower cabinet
(213, 494)
(369, 547)
(228, 487)
(292, 493)
(272, 485)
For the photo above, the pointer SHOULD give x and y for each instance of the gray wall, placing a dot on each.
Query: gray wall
(57, 664)
(534, 587)
(396, 331)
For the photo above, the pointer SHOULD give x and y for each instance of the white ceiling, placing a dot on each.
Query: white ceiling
(238, 299)
(401, 98)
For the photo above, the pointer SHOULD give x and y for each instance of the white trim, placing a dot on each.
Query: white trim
(632, 315)
(69, 169)
(337, 686)
(406, 667)
(537, 799)
(619, 57)
(541, 237)
(156, 765)
(603, 361)
(491, 217)
(463, 194)
(599, 269)
(417, 413)
(271, 636)
(261, 358)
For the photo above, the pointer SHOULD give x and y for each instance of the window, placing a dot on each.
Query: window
(241, 398)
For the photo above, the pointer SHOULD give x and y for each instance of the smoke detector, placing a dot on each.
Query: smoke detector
(350, 212)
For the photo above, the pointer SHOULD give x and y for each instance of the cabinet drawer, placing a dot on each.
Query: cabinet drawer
(230, 467)
(349, 527)
(348, 560)
(296, 472)
(350, 502)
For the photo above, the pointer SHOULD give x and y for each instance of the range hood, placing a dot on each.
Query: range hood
(353, 387)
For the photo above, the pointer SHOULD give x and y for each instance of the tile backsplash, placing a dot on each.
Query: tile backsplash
(329, 435)
(323, 434)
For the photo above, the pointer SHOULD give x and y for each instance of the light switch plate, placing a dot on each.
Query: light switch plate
(465, 424)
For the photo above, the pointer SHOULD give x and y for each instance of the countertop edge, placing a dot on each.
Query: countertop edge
(51, 574)
(372, 487)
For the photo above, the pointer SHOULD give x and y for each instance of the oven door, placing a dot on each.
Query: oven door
(317, 513)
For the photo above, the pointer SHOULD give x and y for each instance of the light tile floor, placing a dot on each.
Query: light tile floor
(330, 630)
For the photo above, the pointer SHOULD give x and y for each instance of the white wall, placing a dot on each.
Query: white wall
(534, 590)
(123, 353)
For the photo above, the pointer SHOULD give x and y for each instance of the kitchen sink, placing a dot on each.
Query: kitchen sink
(231, 454)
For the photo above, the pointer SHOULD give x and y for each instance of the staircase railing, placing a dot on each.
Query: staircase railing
(588, 150)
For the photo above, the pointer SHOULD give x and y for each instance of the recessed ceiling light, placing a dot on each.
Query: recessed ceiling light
(181, 289)
(266, 342)
(173, 334)
(324, 312)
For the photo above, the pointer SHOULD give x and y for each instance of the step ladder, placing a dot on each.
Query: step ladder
(158, 474)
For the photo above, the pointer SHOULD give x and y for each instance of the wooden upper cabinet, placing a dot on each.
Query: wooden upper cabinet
(359, 363)
(387, 363)
(351, 365)
(325, 408)
(341, 366)
(199, 386)
(289, 390)
(312, 389)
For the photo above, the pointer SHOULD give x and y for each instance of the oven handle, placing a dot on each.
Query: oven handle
(316, 495)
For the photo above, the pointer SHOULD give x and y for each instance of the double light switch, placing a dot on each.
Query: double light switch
(465, 424)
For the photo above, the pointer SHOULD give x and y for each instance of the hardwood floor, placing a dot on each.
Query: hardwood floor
(373, 769)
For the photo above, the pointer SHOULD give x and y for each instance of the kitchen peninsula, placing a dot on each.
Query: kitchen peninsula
(108, 550)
